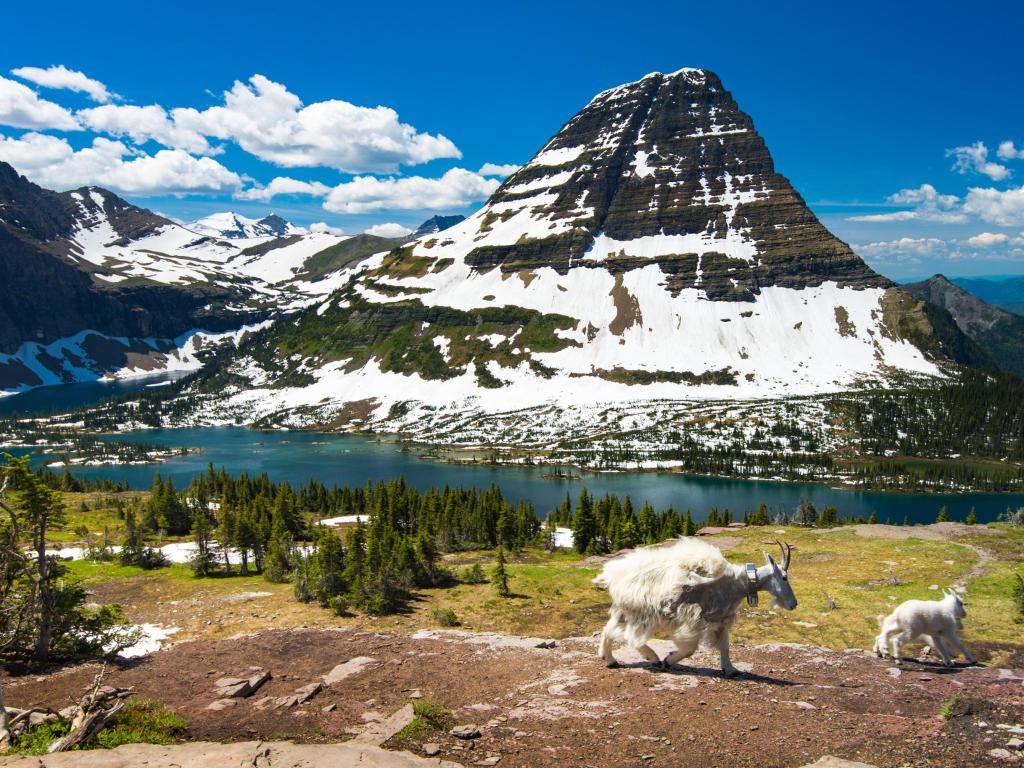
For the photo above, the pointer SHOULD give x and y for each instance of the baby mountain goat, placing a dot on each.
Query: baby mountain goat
(686, 592)
(934, 621)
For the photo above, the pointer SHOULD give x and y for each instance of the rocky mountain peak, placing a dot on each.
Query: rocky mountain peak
(649, 251)
(666, 169)
(436, 224)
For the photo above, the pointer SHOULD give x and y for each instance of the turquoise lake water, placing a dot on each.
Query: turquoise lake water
(352, 460)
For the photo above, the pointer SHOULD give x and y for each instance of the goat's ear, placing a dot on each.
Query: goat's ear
(768, 559)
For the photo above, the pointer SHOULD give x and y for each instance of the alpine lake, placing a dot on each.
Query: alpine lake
(347, 459)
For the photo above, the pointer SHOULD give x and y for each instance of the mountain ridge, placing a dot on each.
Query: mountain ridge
(649, 251)
(999, 334)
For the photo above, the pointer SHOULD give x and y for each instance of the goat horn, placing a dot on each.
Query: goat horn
(786, 550)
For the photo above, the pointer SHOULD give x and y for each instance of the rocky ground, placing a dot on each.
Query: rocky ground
(557, 706)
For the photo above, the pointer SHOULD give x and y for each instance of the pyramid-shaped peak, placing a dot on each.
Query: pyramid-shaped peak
(667, 169)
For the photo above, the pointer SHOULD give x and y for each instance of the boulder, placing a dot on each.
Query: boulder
(348, 669)
(467, 731)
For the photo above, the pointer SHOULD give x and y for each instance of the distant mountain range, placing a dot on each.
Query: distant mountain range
(234, 226)
(649, 252)
(997, 332)
(97, 287)
(1004, 292)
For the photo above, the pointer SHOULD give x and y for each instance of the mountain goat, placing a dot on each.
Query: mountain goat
(687, 592)
(934, 621)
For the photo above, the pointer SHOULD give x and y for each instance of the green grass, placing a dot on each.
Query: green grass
(948, 707)
(552, 594)
(142, 721)
(100, 514)
(429, 716)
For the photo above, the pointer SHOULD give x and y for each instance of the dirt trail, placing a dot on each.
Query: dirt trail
(560, 706)
(933, 532)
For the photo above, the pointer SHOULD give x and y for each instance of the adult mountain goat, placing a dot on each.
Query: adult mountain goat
(686, 592)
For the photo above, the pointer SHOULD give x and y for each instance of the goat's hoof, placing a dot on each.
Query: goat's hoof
(730, 671)
(612, 664)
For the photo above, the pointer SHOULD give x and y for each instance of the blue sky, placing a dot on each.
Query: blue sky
(860, 105)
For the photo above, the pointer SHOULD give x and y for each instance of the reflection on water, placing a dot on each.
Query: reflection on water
(66, 397)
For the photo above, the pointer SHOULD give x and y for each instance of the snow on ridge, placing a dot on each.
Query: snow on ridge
(786, 343)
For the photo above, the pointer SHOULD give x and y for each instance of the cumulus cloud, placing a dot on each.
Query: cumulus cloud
(1002, 207)
(1007, 151)
(389, 230)
(974, 158)
(324, 227)
(70, 79)
(988, 239)
(928, 205)
(142, 124)
(21, 107)
(270, 122)
(284, 185)
(495, 169)
(52, 162)
(457, 188)
(905, 250)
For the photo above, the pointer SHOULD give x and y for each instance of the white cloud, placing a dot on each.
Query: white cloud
(284, 185)
(389, 230)
(928, 204)
(141, 124)
(457, 188)
(323, 226)
(69, 79)
(21, 107)
(1007, 151)
(270, 122)
(1002, 207)
(974, 157)
(905, 250)
(496, 169)
(987, 239)
(53, 163)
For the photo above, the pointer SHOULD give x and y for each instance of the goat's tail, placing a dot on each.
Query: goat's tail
(881, 619)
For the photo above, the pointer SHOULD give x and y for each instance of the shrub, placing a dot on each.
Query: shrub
(339, 605)
(446, 617)
(474, 574)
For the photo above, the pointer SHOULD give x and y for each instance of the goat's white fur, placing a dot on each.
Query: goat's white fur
(687, 592)
(934, 621)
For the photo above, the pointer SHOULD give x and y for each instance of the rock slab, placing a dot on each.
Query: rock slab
(204, 754)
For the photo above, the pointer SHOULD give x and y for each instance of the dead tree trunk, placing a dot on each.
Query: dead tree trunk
(92, 713)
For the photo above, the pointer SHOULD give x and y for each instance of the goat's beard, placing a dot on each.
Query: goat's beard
(775, 603)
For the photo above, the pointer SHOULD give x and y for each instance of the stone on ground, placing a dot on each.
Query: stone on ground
(378, 733)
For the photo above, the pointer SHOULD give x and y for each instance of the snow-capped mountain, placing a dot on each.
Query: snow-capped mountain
(99, 287)
(648, 252)
(436, 224)
(234, 226)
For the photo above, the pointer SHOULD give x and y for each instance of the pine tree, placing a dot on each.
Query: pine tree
(278, 562)
(972, 517)
(202, 532)
(500, 576)
(689, 527)
(584, 525)
(873, 520)
(829, 517)
(943, 516)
